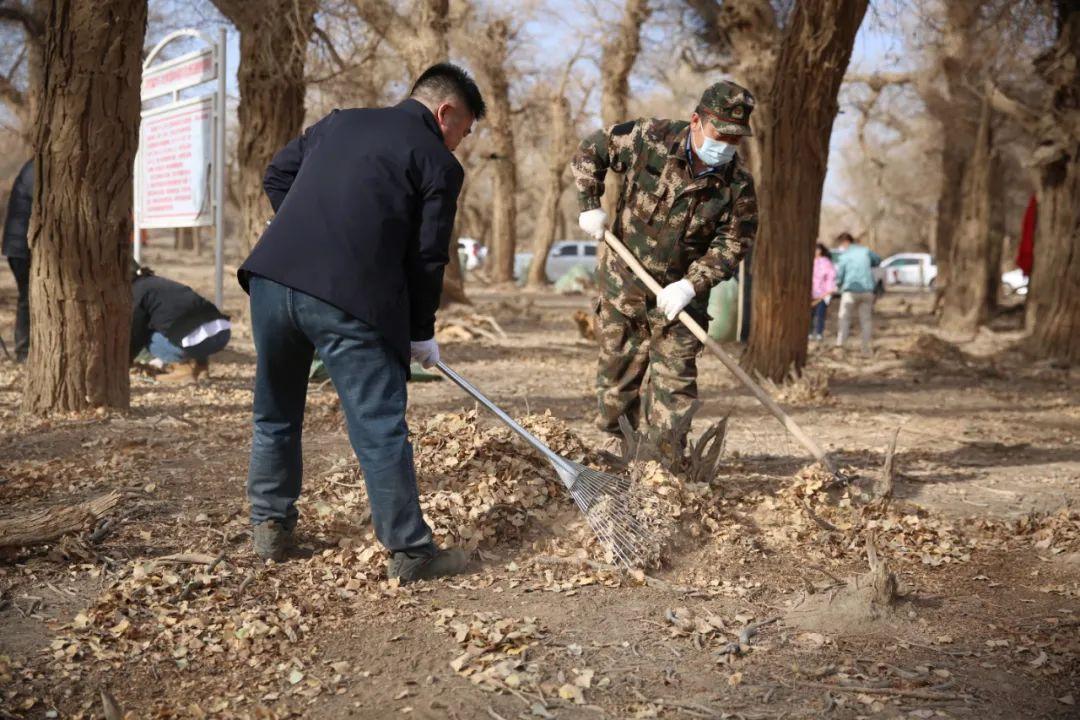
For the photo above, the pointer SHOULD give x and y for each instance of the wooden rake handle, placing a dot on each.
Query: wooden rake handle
(699, 332)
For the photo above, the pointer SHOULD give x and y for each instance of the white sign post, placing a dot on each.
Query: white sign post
(180, 166)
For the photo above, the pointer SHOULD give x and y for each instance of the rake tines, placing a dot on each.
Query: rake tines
(613, 510)
(612, 505)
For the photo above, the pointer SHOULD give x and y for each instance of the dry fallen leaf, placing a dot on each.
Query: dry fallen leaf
(572, 692)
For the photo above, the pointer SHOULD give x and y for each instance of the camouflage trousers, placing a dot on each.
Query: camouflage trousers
(647, 368)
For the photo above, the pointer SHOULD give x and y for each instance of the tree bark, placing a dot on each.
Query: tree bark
(560, 149)
(490, 54)
(1055, 278)
(48, 524)
(747, 33)
(273, 46)
(793, 127)
(957, 110)
(617, 58)
(420, 37)
(966, 300)
(80, 234)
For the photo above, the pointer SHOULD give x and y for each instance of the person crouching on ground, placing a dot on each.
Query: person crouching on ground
(176, 325)
(351, 267)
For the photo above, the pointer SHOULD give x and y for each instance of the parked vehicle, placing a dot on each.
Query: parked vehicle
(1015, 282)
(916, 270)
(475, 253)
(564, 255)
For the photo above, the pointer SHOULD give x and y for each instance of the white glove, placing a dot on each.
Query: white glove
(425, 352)
(674, 298)
(594, 223)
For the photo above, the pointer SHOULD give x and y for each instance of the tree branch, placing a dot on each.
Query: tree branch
(32, 24)
(1018, 111)
(878, 81)
(329, 44)
(11, 95)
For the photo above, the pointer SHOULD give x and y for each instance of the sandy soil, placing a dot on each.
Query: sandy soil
(982, 535)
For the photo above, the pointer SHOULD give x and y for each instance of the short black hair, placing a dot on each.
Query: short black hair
(443, 79)
(845, 237)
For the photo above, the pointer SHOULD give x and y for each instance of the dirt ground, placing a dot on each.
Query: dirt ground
(762, 609)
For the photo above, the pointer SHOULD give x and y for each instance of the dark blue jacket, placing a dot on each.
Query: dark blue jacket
(365, 202)
(17, 220)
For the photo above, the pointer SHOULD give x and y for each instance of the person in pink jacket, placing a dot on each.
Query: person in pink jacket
(824, 285)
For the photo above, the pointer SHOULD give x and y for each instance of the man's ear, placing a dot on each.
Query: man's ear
(444, 114)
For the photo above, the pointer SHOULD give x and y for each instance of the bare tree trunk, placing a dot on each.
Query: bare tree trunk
(998, 235)
(954, 156)
(273, 46)
(964, 301)
(1055, 279)
(490, 53)
(454, 277)
(748, 32)
(958, 113)
(419, 34)
(559, 151)
(793, 127)
(80, 235)
(618, 55)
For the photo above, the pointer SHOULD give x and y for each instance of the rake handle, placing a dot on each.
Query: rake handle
(498, 412)
(699, 332)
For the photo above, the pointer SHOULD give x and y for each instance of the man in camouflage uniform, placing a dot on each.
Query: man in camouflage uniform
(687, 210)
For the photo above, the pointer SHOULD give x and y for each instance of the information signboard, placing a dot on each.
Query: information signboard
(180, 166)
(183, 72)
(176, 152)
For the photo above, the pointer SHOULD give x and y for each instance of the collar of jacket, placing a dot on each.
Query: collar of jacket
(680, 149)
(420, 110)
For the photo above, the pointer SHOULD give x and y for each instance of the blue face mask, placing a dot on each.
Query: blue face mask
(713, 152)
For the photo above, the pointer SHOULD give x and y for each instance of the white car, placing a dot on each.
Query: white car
(1015, 282)
(475, 253)
(564, 255)
(907, 269)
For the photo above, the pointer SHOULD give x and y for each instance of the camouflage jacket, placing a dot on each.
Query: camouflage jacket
(677, 225)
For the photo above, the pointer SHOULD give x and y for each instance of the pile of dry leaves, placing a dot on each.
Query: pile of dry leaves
(481, 487)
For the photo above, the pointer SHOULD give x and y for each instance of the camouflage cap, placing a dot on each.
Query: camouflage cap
(727, 107)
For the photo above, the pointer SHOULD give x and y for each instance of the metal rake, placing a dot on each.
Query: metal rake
(609, 502)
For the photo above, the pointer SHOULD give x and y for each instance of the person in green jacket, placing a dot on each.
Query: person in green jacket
(855, 280)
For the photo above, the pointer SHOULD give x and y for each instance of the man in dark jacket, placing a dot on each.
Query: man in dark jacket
(17, 250)
(351, 266)
(176, 325)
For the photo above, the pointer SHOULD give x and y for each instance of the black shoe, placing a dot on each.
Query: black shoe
(272, 539)
(423, 566)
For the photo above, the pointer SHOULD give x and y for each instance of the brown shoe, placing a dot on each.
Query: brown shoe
(182, 373)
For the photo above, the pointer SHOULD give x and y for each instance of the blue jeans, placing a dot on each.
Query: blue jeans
(289, 327)
(165, 350)
(818, 316)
